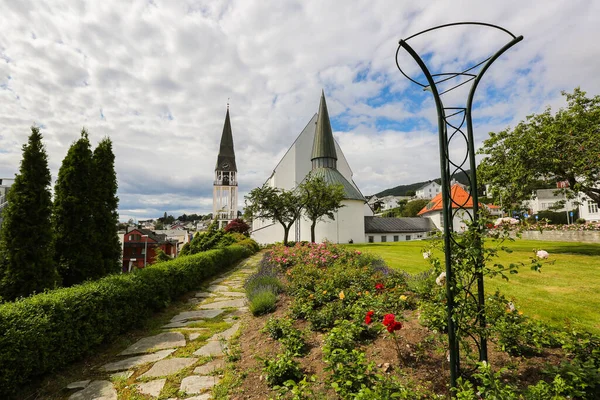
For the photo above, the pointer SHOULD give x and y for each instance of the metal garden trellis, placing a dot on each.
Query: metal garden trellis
(450, 168)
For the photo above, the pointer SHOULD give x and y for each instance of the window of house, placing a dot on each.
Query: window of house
(407, 237)
(371, 239)
(592, 207)
(420, 235)
(396, 238)
(384, 239)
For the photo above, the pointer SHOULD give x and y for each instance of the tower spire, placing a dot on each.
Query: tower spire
(226, 158)
(323, 152)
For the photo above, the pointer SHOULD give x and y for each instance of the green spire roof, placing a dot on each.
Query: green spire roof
(226, 158)
(323, 145)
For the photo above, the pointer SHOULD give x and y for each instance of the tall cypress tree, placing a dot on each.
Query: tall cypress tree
(105, 203)
(27, 265)
(76, 254)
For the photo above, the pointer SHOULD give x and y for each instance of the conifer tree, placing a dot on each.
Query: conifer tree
(76, 255)
(26, 261)
(105, 203)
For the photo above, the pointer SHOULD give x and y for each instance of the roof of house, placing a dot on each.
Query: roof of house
(323, 145)
(493, 206)
(157, 237)
(460, 198)
(226, 152)
(333, 177)
(398, 225)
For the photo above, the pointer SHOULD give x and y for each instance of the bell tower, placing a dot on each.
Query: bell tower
(225, 195)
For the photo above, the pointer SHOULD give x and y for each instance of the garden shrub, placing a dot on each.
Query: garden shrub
(262, 289)
(282, 369)
(263, 301)
(42, 333)
(282, 329)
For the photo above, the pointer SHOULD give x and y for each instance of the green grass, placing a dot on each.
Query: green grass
(566, 292)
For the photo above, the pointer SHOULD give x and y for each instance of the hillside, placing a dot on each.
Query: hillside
(402, 189)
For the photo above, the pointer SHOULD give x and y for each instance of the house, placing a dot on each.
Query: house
(315, 150)
(588, 209)
(547, 199)
(428, 190)
(139, 248)
(433, 209)
(179, 236)
(397, 229)
(494, 210)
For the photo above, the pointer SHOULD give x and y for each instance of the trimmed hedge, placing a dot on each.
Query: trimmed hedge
(47, 331)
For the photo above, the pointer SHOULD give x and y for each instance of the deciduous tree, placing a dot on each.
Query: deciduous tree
(320, 200)
(26, 252)
(546, 149)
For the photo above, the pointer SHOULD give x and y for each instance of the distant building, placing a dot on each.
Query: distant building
(225, 187)
(139, 248)
(588, 209)
(397, 229)
(547, 199)
(433, 209)
(5, 184)
(428, 190)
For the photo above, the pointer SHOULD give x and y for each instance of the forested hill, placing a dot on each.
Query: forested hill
(402, 189)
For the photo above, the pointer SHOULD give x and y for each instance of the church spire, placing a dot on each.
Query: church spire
(226, 158)
(323, 152)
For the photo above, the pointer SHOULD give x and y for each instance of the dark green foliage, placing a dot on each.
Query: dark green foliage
(75, 253)
(554, 217)
(45, 332)
(26, 264)
(215, 238)
(282, 369)
(320, 200)
(412, 208)
(104, 205)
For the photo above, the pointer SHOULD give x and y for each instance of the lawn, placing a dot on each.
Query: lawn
(566, 291)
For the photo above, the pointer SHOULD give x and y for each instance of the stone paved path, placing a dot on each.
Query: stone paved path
(188, 353)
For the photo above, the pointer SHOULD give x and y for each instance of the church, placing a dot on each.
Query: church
(315, 150)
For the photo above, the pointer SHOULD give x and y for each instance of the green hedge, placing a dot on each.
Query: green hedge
(47, 331)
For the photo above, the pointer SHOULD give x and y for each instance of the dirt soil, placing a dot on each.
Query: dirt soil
(424, 361)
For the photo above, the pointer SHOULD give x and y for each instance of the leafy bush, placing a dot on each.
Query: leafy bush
(282, 369)
(263, 301)
(44, 332)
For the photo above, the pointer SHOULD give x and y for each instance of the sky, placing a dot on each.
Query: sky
(156, 77)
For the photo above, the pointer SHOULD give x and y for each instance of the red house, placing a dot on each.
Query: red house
(139, 248)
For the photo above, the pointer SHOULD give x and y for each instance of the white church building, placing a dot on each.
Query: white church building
(316, 150)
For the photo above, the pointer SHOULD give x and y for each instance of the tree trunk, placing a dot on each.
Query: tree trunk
(286, 232)
(312, 231)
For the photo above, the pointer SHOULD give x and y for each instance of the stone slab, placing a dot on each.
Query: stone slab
(78, 384)
(210, 367)
(137, 360)
(122, 375)
(166, 340)
(97, 390)
(212, 348)
(223, 304)
(181, 324)
(217, 288)
(205, 396)
(194, 336)
(204, 294)
(226, 334)
(233, 294)
(197, 314)
(168, 367)
(197, 384)
(152, 388)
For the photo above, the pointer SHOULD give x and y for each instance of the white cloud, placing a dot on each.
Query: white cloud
(155, 76)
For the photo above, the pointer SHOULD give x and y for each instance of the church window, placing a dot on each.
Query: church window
(384, 239)
(371, 239)
(396, 238)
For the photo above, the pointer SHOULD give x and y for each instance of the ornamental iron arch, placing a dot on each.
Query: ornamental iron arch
(451, 122)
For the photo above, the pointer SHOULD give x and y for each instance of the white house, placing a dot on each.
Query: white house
(460, 196)
(546, 199)
(428, 190)
(315, 150)
(588, 209)
(397, 229)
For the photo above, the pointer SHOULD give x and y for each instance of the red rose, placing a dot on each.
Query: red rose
(368, 317)
(389, 319)
(379, 286)
(394, 326)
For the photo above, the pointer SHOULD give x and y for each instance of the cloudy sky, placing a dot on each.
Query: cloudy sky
(156, 76)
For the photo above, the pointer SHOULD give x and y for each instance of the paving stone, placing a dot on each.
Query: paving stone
(217, 288)
(152, 388)
(137, 360)
(193, 300)
(210, 367)
(197, 314)
(212, 348)
(78, 384)
(122, 375)
(204, 294)
(233, 294)
(168, 367)
(218, 280)
(227, 334)
(239, 312)
(194, 336)
(205, 396)
(223, 304)
(181, 324)
(196, 384)
(166, 340)
(97, 390)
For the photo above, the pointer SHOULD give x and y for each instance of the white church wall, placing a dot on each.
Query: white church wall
(368, 210)
(267, 231)
(345, 227)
